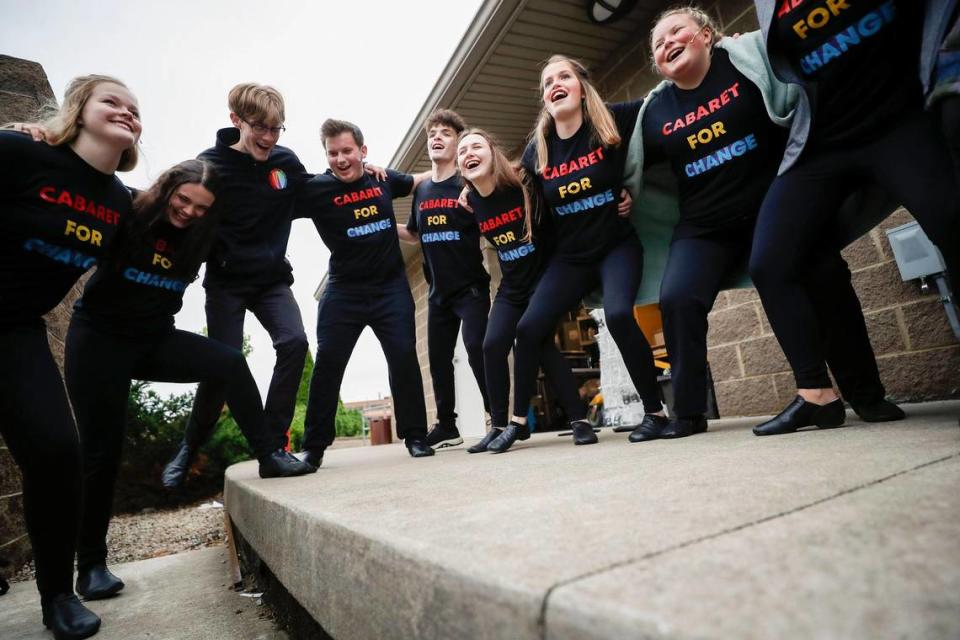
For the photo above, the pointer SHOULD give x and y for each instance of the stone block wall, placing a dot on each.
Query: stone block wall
(917, 352)
(24, 89)
(420, 289)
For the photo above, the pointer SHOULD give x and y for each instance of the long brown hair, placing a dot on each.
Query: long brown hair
(596, 115)
(150, 208)
(505, 176)
(63, 123)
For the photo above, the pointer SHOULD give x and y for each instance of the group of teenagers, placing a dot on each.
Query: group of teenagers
(761, 154)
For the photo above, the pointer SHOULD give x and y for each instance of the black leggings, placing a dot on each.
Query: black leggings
(912, 164)
(562, 286)
(98, 368)
(695, 271)
(36, 424)
(500, 338)
(469, 309)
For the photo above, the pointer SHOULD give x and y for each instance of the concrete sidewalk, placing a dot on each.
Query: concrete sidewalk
(846, 533)
(179, 597)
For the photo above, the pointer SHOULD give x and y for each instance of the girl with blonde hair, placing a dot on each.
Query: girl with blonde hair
(716, 129)
(62, 206)
(576, 158)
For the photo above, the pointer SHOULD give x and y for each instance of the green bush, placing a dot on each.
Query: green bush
(156, 426)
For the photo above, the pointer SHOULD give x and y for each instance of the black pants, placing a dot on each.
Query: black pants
(912, 164)
(342, 314)
(470, 309)
(277, 310)
(37, 425)
(695, 270)
(561, 287)
(948, 109)
(500, 339)
(98, 368)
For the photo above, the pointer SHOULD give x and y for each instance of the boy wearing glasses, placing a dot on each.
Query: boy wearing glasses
(247, 268)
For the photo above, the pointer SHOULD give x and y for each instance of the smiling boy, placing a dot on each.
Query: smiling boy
(366, 286)
(453, 265)
(247, 268)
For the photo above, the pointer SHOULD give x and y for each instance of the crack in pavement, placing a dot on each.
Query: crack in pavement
(542, 619)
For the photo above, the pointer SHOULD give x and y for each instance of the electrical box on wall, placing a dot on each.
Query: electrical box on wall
(916, 256)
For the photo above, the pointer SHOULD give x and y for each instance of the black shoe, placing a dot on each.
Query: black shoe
(801, 413)
(443, 436)
(683, 427)
(96, 583)
(481, 446)
(649, 428)
(66, 616)
(176, 470)
(282, 464)
(882, 411)
(508, 436)
(583, 432)
(419, 449)
(313, 457)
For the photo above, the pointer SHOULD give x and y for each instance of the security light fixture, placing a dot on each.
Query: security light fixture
(917, 257)
(607, 11)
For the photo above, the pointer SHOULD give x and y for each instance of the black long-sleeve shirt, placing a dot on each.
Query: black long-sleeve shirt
(59, 214)
(257, 199)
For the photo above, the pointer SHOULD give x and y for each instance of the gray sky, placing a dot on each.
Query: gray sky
(371, 62)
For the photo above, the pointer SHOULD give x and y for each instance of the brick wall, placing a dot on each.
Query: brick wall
(23, 90)
(420, 289)
(917, 353)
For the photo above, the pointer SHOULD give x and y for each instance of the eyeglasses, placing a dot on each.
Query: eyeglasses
(262, 129)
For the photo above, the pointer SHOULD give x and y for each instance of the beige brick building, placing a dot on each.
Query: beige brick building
(492, 80)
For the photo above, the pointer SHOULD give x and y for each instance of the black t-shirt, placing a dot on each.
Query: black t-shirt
(581, 185)
(357, 223)
(500, 218)
(59, 215)
(449, 237)
(862, 55)
(136, 291)
(257, 200)
(721, 144)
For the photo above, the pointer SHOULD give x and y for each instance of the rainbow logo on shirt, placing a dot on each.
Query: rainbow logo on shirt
(277, 179)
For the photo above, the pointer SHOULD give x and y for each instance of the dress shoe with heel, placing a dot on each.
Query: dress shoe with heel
(649, 428)
(508, 436)
(283, 464)
(481, 446)
(96, 582)
(801, 413)
(583, 432)
(683, 427)
(880, 411)
(419, 448)
(67, 618)
(176, 470)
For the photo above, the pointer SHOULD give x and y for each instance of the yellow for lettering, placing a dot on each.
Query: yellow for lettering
(819, 17)
(574, 187)
(364, 212)
(162, 261)
(83, 233)
(706, 135)
(436, 219)
(504, 238)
